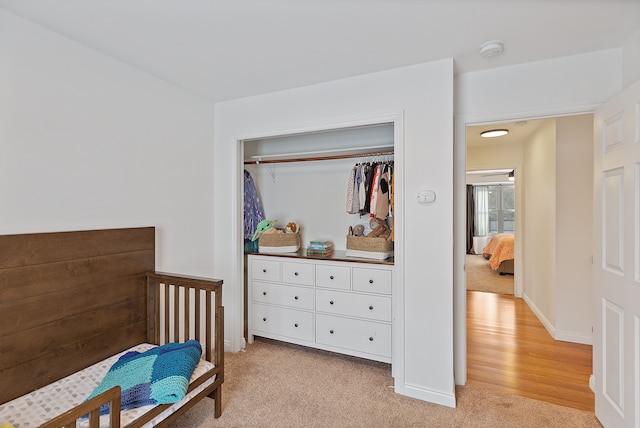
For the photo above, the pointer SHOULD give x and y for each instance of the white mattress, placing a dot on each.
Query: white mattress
(44, 404)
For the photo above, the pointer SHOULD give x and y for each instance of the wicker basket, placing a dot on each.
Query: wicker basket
(373, 245)
(274, 240)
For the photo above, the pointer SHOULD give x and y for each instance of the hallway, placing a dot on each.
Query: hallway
(509, 349)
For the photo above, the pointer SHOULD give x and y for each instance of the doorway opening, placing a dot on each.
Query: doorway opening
(545, 154)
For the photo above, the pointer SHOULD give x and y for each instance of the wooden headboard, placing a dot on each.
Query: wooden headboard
(69, 300)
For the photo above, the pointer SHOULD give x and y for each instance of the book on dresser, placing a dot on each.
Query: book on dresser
(340, 306)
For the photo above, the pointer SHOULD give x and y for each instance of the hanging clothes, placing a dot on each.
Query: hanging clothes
(370, 190)
(355, 190)
(360, 182)
(390, 171)
(370, 171)
(382, 197)
(253, 211)
(355, 207)
(351, 190)
(375, 183)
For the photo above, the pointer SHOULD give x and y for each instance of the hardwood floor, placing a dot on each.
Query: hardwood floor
(508, 348)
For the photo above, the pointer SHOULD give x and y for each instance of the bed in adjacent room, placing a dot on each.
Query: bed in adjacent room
(500, 253)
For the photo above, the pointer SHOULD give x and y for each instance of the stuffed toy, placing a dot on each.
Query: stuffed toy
(358, 230)
(291, 227)
(263, 227)
(379, 229)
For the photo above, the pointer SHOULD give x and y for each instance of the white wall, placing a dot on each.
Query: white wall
(423, 362)
(494, 156)
(569, 85)
(631, 60)
(540, 228)
(87, 142)
(574, 226)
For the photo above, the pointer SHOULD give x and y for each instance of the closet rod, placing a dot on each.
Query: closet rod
(319, 158)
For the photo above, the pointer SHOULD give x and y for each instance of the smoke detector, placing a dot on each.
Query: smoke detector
(491, 48)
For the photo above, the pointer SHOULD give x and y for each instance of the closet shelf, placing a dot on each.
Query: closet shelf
(321, 155)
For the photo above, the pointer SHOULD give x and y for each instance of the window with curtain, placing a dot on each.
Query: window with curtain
(494, 209)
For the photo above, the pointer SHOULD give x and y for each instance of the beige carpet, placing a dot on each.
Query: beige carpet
(480, 276)
(273, 384)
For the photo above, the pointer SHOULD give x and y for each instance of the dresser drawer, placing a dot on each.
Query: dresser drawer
(372, 280)
(298, 273)
(265, 270)
(282, 322)
(285, 295)
(333, 277)
(364, 336)
(355, 305)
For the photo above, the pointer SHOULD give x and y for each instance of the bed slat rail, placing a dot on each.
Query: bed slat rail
(92, 408)
(175, 311)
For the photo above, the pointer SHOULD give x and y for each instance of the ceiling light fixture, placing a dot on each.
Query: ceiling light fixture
(494, 133)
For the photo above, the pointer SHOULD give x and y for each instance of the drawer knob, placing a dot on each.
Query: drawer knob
(295, 273)
(296, 297)
(371, 339)
(371, 281)
(264, 319)
(370, 308)
(264, 293)
(331, 302)
(331, 331)
(295, 325)
(331, 277)
(264, 271)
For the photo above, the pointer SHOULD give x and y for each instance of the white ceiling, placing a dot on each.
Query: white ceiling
(225, 49)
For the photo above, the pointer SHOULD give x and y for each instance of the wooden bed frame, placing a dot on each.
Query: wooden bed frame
(71, 299)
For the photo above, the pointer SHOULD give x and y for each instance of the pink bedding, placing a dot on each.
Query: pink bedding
(499, 249)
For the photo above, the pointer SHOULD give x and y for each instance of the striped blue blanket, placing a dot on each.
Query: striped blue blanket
(158, 376)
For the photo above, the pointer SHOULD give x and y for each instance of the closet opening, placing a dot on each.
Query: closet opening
(302, 178)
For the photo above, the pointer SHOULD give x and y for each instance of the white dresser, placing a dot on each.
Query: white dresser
(339, 306)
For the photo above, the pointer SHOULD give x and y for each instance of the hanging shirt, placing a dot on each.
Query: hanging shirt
(253, 212)
(360, 182)
(382, 200)
(351, 185)
(368, 181)
(374, 190)
(355, 208)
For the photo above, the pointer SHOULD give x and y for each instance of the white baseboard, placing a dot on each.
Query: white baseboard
(565, 336)
(568, 336)
(545, 322)
(431, 396)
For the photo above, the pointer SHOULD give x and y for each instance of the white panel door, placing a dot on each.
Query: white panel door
(616, 350)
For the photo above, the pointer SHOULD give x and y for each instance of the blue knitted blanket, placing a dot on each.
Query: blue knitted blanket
(158, 376)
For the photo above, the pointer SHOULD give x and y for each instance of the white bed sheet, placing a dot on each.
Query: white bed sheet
(37, 407)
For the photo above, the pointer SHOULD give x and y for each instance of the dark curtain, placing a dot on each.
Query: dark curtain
(470, 217)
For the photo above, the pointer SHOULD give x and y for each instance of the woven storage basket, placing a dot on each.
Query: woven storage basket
(362, 243)
(279, 240)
